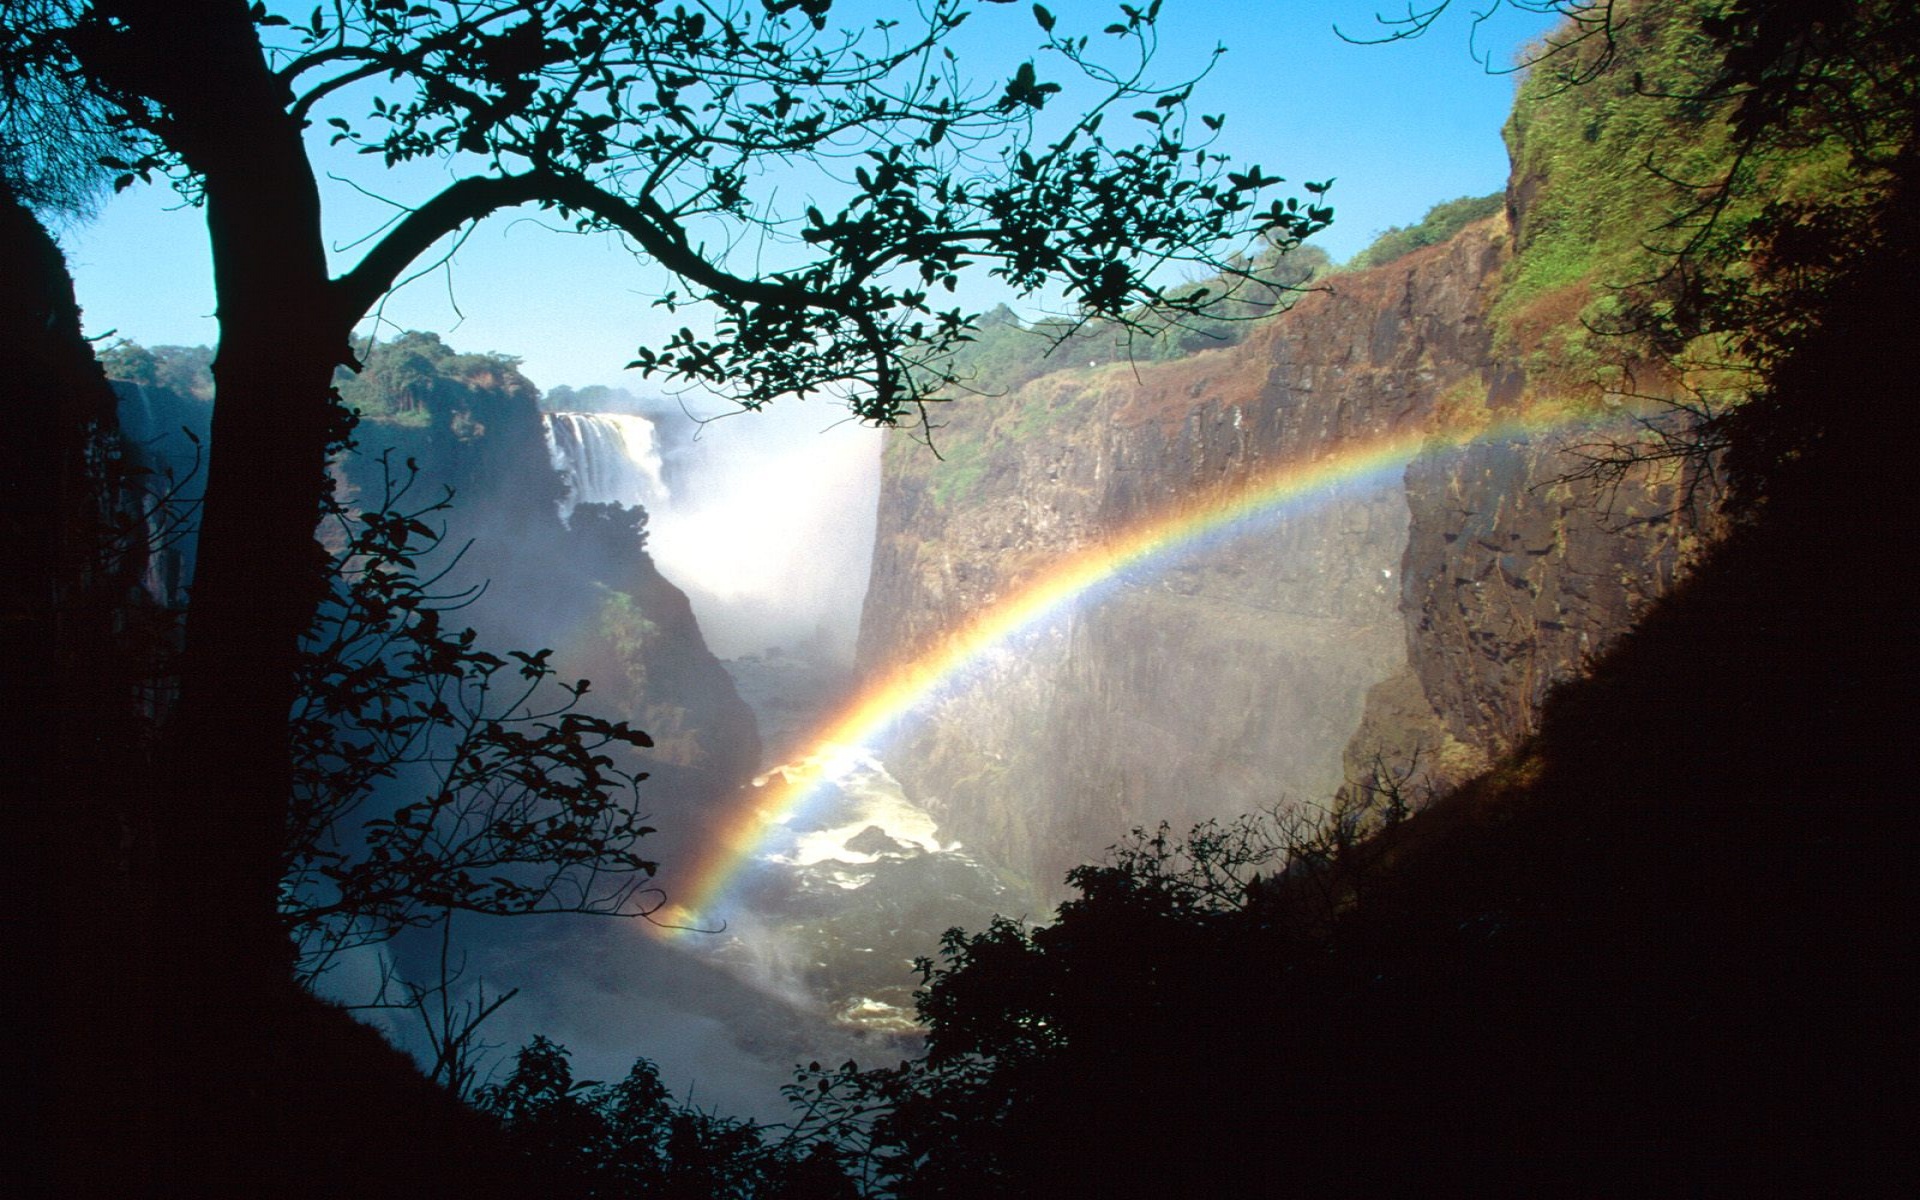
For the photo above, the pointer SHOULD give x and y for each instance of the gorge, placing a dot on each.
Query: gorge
(1393, 625)
(1423, 725)
(1410, 566)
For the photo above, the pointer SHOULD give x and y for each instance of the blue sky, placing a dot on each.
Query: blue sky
(1399, 127)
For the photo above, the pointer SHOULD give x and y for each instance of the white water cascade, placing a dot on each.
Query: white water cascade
(605, 458)
(769, 529)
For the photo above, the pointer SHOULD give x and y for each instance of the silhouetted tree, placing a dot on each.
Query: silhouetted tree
(431, 775)
(630, 1139)
(650, 121)
(635, 118)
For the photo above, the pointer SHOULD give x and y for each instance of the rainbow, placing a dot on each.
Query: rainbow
(876, 710)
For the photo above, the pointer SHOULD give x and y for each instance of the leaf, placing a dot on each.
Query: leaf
(1044, 17)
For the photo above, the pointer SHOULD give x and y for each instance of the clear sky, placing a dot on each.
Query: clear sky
(1399, 127)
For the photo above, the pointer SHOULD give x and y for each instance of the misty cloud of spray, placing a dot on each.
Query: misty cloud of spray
(768, 525)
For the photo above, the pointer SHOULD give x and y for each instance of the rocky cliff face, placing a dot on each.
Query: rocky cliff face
(1402, 629)
(471, 423)
(435, 422)
(1515, 576)
(1221, 678)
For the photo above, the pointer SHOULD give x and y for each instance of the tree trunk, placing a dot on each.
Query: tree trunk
(224, 769)
(258, 571)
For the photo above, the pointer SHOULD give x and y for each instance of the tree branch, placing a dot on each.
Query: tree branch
(465, 200)
(476, 197)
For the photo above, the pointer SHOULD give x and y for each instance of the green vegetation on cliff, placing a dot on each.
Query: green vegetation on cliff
(1001, 396)
(1601, 162)
(470, 421)
(1636, 189)
(967, 438)
(184, 370)
(1003, 352)
(1442, 221)
(405, 378)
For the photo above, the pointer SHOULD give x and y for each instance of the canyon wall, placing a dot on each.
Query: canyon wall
(1398, 630)
(436, 424)
(585, 587)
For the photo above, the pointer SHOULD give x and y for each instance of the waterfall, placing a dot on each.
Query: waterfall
(137, 419)
(605, 458)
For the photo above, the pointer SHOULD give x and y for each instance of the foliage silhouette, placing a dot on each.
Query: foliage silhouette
(630, 1139)
(1047, 1045)
(629, 118)
(522, 806)
(652, 122)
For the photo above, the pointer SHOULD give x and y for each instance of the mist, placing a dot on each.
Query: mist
(772, 535)
(767, 518)
(766, 522)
